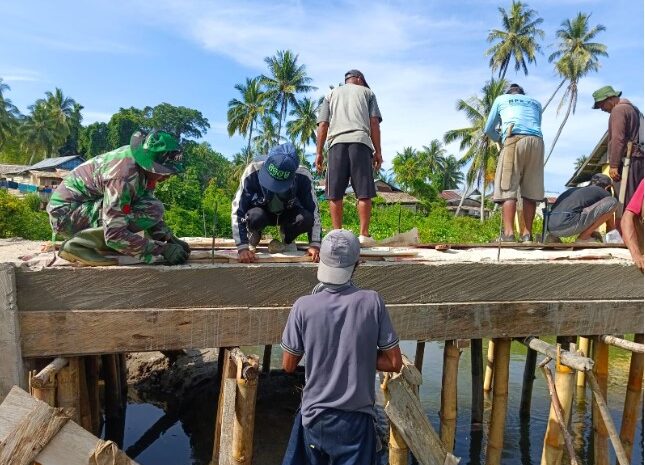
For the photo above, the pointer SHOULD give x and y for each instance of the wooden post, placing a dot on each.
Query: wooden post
(527, 382)
(553, 448)
(114, 408)
(477, 385)
(46, 391)
(228, 372)
(244, 423)
(632, 400)
(418, 356)
(600, 370)
(92, 372)
(68, 392)
(448, 412)
(500, 401)
(11, 366)
(123, 378)
(398, 451)
(583, 346)
(85, 406)
(266, 359)
(490, 360)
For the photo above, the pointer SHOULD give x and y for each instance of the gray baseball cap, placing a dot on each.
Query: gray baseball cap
(339, 253)
(358, 74)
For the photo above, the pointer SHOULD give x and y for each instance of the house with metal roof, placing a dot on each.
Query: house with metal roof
(596, 162)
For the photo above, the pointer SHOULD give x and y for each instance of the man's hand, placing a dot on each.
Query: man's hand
(174, 254)
(378, 160)
(246, 256)
(315, 254)
(614, 174)
(638, 261)
(320, 163)
(184, 245)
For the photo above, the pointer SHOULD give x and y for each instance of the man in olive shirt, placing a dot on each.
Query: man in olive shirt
(348, 120)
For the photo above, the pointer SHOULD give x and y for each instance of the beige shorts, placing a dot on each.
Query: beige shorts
(527, 175)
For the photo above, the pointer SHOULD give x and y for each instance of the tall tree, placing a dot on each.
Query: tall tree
(71, 145)
(9, 115)
(451, 175)
(302, 128)
(93, 140)
(180, 121)
(267, 136)
(517, 40)
(243, 114)
(416, 171)
(480, 151)
(40, 133)
(579, 162)
(286, 79)
(124, 123)
(576, 56)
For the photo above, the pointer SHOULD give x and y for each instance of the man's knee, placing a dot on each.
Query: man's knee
(305, 220)
(256, 219)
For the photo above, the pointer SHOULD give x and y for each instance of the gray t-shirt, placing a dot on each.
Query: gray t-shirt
(348, 110)
(339, 330)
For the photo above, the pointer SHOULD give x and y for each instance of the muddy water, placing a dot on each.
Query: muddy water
(162, 430)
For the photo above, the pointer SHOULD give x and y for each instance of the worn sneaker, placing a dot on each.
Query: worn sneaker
(504, 238)
(526, 239)
(290, 248)
(366, 241)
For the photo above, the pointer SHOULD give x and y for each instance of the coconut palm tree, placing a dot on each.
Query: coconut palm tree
(405, 168)
(243, 114)
(451, 175)
(516, 40)
(40, 133)
(433, 156)
(481, 153)
(9, 114)
(576, 56)
(267, 135)
(286, 79)
(302, 128)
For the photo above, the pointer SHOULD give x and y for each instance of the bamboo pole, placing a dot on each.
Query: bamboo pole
(622, 343)
(227, 372)
(48, 373)
(557, 435)
(567, 358)
(247, 386)
(490, 360)
(583, 348)
(601, 405)
(599, 373)
(632, 400)
(46, 392)
(500, 401)
(560, 416)
(68, 394)
(527, 382)
(398, 451)
(418, 356)
(477, 385)
(448, 411)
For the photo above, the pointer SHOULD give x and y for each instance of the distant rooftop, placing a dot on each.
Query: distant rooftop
(52, 162)
(11, 169)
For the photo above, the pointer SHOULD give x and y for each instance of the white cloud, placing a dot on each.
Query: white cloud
(19, 75)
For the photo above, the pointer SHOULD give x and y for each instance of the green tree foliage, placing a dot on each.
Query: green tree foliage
(577, 55)
(123, 124)
(93, 140)
(9, 115)
(302, 128)
(181, 121)
(579, 162)
(21, 217)
(40, 134)
(243, 114)
(451, 175)
(71, 146)
(268, 135)
(516, 40)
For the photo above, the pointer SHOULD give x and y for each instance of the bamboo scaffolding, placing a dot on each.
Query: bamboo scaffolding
(599, 374)
(500, 402)
(622, 343)
(631, 409)
(68, 394)
(227, 372)
(477, 385)
(46, 393)
(398, 450)
(567, 358)
(247, 385)
(583, 349)
(490, 360)
(527, 382)
(48, 373)
(448, 411)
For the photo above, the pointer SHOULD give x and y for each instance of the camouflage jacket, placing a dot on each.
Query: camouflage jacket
(114, 183)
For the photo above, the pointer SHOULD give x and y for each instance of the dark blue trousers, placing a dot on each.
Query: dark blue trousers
(335, 437)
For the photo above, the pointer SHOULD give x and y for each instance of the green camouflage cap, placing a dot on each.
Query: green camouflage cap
(603, 94)
(157, 152)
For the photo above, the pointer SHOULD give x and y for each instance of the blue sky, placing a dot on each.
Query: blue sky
(418, 56)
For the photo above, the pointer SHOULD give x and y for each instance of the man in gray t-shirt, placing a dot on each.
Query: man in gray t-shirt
(346, 334)
(349, 121)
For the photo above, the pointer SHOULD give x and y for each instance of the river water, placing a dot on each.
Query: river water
(162, 430)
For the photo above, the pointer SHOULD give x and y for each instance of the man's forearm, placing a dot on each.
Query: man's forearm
(389, 360)
(321, 137)
(630, 234)
(375, 134)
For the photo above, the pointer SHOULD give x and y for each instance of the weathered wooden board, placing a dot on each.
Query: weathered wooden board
(106, 331)
(71, 446)
(11, 368)
(270, 285)
(229, 387)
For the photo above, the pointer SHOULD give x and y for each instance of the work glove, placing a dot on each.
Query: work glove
(184, 245)
(174, 254)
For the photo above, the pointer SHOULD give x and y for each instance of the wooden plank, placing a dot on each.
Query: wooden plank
(71, 446)
(107, 331)
(398, 283)
(405, 411)
(229, 387)
(11, 367)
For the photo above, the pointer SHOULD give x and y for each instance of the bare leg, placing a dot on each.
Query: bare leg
(364, 215)
(586, 234)
(336, 212)
(508, 214)
(528, 213)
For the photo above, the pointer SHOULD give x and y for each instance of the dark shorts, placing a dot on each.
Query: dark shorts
(575, 224)
(349, 161)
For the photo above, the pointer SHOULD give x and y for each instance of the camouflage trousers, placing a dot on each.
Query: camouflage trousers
(67, 219)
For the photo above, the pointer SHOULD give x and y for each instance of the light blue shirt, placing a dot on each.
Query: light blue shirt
(524, 112)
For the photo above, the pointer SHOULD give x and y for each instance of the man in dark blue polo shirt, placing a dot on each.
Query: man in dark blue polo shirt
(346, 334)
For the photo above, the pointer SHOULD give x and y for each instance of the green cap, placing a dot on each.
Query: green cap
(157, 152)
(603, 94)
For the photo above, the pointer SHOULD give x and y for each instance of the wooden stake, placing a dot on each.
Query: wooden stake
(68, 393)
(622, 343)
(557, 435)
(85, 407)
(527, 382)
(123, 378)
(500, 401)
(490, 360)
(477, 385)
(418, 356)
(448, 412)
(48, 373)
(266, 360)
(243, 426)
(631, 410)
(398, 451)
(228, 372)
(92, 373)
(583, 347)
(114, 407)
(12, 370)
(46, 392)
(600, 372)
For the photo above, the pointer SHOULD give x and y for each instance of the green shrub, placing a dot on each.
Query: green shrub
(18, 218)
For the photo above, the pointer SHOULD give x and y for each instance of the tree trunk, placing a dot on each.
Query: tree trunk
(481, 198)
(574, 95)
(463, 197)
(552, 96)
(248, 145)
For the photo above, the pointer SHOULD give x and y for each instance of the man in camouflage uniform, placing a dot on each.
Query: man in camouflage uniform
(103, 203)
